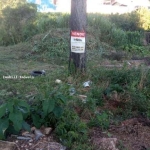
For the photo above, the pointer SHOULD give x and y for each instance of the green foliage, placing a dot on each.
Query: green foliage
(4, 124)
(131, 86)
(135, 21)
(127, 21)
(71, 129)
(10, 3)
(52, 104)
(17, 23)
(48, 21)
(138, 102)
(144, 15)
(117, 77)
(106, 31)
(12, 115)
(101, 120)
(52, 48)
(46, 109)
(123, 77)
(105, 28)
(134, 38)
(134, 49)
(113, 87)
(55, 46)
(96, 94)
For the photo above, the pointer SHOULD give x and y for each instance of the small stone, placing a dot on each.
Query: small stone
(38, 134)
(25, 133)
(48, 130)
(30, 144)
(33, 129)
(83, 98)
(106, 143)
(58, 81)
(23, 138)
(16, 141)
(31, 141)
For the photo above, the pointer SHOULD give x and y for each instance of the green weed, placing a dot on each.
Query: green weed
(101, 120)
(71, 129)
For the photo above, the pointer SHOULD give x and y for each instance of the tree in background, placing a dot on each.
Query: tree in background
(10, 3)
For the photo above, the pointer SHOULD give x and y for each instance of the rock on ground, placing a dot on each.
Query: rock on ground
(4, 145)
(106, 143)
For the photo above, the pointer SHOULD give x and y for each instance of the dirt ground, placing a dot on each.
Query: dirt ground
(132, 134)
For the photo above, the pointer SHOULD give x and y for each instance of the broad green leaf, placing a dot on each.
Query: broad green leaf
(36, 120)
(24, 110)
(10, 106)
(4, 123)
(26, 126)
(62, 98)
(17, 120)
(3, 110)
(58, 111)
(24, 104)
(48, 106)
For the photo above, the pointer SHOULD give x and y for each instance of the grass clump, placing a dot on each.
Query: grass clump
(71, 129)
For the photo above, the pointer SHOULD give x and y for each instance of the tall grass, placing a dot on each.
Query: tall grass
(29, 23)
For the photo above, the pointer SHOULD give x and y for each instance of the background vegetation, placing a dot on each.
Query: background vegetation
(44, 38)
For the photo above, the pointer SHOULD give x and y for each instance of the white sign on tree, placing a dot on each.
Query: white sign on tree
(77, 42)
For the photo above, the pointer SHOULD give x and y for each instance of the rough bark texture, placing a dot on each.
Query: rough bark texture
(78, 23)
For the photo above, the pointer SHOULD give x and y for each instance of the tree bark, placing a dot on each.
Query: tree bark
(77, 61)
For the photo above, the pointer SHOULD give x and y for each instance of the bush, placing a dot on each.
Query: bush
(15, 114)
(101, 120)
(47, 21)
(127, 21)
(12, 117)
(106, 31)
(137, 20)
(17, 23)
(71, 129)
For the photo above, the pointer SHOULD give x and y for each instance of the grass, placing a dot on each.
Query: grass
(115, 94)
(130, 85)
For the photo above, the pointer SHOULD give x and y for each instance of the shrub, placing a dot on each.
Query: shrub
(71, 129)
(16, 22)
(46, 21)
(12, 117)
(101, 120)
(15, 114)
(137, 20)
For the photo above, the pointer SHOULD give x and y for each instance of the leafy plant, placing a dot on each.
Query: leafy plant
(97, 94)
(100, 120)
(17, 23)
(13, 115)
(52, 109)
(71, 129)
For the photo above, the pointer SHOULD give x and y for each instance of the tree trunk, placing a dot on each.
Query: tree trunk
(77, 60)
